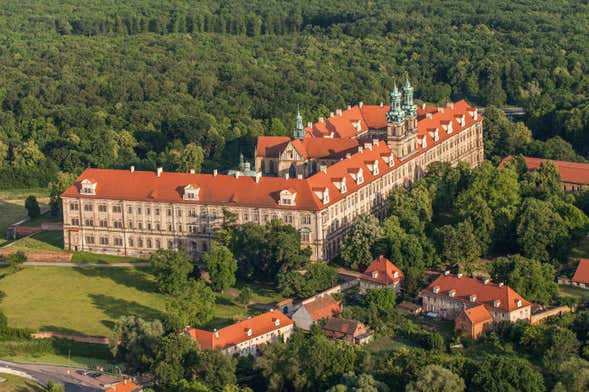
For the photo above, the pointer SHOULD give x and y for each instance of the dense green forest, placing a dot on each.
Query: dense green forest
(184, 83)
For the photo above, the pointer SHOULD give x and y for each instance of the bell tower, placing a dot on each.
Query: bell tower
(401, 128)
(409, 107)
(299, 129)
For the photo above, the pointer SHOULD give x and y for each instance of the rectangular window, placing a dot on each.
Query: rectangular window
(88, 207)
(140, 243)
(306, 219)
(157, 211)
(75, 222)
(149, 226)
(169, 212)
(130, 224)
(90, 240)
(74, 206)
(158, 227)
(118, 225)
(149, 243)
(117, 209)
(118, 241)
(103, 241)
(138, 210)
(180, 228)
(158, 244)
(103, 223)
(89, 222)
(140, 226)
(147, 211)
(102, 208)
(131, 242)
(129, 210)
(305, 237)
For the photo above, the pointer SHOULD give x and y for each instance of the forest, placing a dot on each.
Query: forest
(192, 83)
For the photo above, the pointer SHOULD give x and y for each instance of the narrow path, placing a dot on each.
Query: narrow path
(81, 265)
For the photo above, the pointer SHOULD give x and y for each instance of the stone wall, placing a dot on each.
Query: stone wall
(40, 256)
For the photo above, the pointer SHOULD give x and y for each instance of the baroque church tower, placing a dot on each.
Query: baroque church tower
(402, 122)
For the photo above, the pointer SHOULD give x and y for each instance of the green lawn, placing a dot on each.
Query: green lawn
(575, 292)
(78, 300)
(85, 257)
(45, 240)
(44, 218)
(18, 384)
(88, 300)
(581, 249)
(12, 206)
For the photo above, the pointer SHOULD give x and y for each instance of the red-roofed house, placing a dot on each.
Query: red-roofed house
(244, 337)
(351, 331)
(311, 312)
(474, 321)
(347, 164)
(449, 294)
(381, 273)
(581, 277)
(574, 175)
(124, 386)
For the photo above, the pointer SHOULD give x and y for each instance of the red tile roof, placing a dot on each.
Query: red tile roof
(123, 386)
(323, 307)
(486, 294)
(238, 333)
(347, 327)
(582, 272)
(570, 172)
(244, 191)
(478, 314)
(383, 271)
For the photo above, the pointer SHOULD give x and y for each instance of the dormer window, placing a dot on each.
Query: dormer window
(191, 192)
(473, 298)
(519, 303)
(424, 142)
(452, 293)
(322, 194)
(357, 125)
(372, 166)
(287, 197)
(88, 187)
(340, 184)
(374, 274)
(496, 303)
(249, 332)
(395, 274)
(344, 188)
(277, 322)
(436, 289)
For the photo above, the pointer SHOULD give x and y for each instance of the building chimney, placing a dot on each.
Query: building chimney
(132, 169)
(309, 124)
(237, 174)
(338, 112)
(500, 284)
(323, 168)
(486, 281)
(368, 146)
(441, 110)
(299, 176)
(349, 107)
(215, 172)
(360, 104)
(381, 104)
(330, 114)
(258, 176)
(348, 155)
(360, 149)
(459, 276)
(446, 273)
(423, 106)
(321, 119)
(192, 171)
(159, 171)
(375, 142)
(287, 176)
(450, 105)
(216, 333)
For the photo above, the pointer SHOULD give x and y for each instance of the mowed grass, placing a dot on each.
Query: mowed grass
(78, 300)
(88, 300)
(12, 208)
(18, 384)
(575, 292)
(44, 241)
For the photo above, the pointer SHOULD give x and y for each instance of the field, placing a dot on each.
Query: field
(89, 300)
(12, 206)
(18, 384)
(575, 292)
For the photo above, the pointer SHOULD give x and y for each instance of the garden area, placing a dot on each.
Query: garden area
(10, 383)
(12, 207)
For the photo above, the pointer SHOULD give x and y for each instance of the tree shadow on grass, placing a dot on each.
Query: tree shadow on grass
(138, 278)
(116, 308)
(60, 329)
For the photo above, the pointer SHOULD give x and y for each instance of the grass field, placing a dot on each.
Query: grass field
(89, 300)
(43, 241)
(575, 292)
(18, 384)
(12, 206)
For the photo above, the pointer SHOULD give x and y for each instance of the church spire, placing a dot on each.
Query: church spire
(409, 106)
(395, 113)
(299, 130)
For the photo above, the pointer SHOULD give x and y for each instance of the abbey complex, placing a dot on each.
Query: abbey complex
(318, 181)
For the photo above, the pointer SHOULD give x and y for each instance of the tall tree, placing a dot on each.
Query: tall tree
(435, 378)
(357, 243)
(221, 266)
(171, 269)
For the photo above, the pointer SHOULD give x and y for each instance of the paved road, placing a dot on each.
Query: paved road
(81, 265)
(68, 376)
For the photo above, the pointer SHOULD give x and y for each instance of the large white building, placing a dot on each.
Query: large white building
(317, 181)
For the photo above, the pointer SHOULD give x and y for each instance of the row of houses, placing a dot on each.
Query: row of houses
(475, 305)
